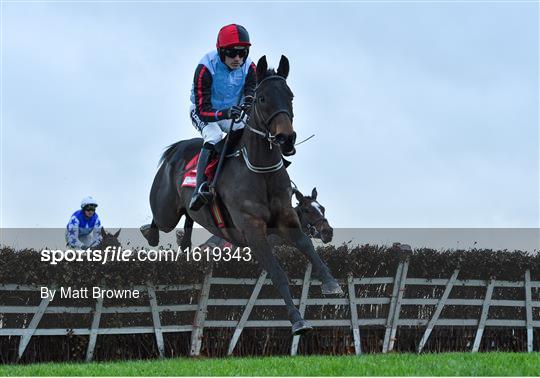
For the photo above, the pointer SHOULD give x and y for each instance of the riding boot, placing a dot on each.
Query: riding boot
(201, 195)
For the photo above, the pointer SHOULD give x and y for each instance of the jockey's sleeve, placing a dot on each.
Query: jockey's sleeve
(73, 233)
(202, 88)
(251, 81)
(97, 238)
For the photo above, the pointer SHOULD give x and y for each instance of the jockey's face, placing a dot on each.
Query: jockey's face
(234, 57)
(89, 212)
(234, 63)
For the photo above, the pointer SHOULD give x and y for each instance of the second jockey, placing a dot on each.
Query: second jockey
(84, 227)
(223, 85)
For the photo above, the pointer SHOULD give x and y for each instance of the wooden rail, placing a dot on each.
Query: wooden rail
(400, 282)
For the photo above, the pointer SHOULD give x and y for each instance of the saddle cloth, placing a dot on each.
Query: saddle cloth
(190, 176)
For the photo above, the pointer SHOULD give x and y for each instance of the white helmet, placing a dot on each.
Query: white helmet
(88, 201)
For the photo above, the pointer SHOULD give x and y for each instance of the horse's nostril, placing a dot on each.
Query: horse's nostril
(281, 138)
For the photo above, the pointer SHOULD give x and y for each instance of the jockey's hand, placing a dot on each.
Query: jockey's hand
(246, 104)
(233, 112)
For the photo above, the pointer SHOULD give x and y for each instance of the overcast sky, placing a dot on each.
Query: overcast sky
(425, 114)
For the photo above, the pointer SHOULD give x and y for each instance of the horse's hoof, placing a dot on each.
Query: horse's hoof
(331, 287)
(151, 234)
(301, 327)
(182, 241)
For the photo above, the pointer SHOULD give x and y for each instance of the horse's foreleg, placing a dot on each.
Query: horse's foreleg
(290, 229)
(255, 232)
(188, 230)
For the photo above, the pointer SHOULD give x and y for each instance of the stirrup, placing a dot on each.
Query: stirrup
(204, 188)
(200, 198)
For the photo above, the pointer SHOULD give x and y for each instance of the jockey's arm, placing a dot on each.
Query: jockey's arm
(97, 238)
(73, 233)
(250, 83)
(202, 88)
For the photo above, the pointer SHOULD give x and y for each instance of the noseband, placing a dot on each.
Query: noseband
(312, 227)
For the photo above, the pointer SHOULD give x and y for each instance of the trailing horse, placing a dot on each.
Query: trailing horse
(253, 189)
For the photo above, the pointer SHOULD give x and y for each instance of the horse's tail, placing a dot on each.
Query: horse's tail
(182, 150)
(169, 153)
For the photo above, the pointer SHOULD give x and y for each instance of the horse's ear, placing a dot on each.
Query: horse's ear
(283, 68)
(117, 233)
(314, 194)
(299, 196)
(103, 232)
(262, 66)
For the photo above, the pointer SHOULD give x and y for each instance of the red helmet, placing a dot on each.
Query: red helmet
(232, 35)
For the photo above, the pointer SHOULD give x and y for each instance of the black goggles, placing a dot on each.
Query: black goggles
(232, 52)
(89, 208)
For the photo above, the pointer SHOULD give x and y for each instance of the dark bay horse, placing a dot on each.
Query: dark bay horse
(311, 216)
(109, 239)
(254, 188)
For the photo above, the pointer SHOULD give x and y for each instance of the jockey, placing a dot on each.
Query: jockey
(223, 86)
(84, 227)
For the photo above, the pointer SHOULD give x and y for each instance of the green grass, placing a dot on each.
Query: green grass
(444, 364)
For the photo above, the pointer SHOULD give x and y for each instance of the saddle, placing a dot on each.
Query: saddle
(190, 176)
(190, 170)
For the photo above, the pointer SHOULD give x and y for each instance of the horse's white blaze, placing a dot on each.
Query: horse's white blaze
(317, 206)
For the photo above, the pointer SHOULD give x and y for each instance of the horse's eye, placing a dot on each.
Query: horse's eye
(261, 99)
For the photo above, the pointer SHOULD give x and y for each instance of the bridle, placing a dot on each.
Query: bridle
(266, 134)
(312, 228)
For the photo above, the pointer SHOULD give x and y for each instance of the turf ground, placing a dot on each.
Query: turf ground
(444, 364)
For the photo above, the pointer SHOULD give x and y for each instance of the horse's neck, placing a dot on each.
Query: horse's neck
(260, 151)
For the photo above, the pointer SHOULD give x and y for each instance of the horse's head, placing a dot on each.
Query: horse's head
(110, 239)
(311, 215)
(272, 105)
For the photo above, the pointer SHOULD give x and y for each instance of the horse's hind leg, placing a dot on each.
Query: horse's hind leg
(164, 220)
(151, 233)
(255, 232)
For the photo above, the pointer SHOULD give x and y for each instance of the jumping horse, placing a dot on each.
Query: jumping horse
(254, 189)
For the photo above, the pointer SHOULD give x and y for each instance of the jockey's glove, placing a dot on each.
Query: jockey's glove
(246, 104)
(233, 112)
